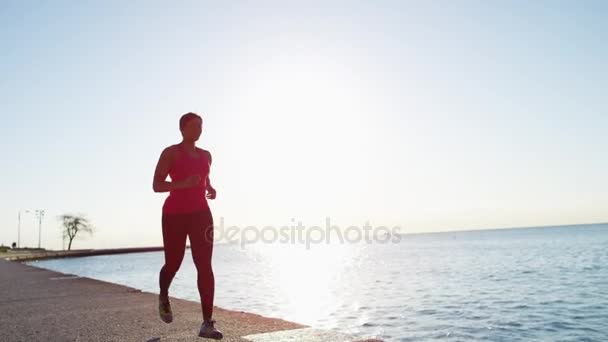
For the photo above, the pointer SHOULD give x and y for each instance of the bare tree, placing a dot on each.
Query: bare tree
(74, 224)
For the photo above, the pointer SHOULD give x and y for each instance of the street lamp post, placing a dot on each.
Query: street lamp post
(40, 216)
(19, 228)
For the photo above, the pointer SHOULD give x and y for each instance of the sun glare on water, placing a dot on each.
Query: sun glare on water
(307, 279)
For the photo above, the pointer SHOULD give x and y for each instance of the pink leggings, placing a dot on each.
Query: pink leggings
(198, 227)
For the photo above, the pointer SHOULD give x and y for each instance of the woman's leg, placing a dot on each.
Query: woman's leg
(174, 241)
(200, 233)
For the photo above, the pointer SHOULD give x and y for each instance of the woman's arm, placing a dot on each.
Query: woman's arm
(211, 193)
(159, 184)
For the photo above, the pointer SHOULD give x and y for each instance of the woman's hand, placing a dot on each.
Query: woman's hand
(211, 193)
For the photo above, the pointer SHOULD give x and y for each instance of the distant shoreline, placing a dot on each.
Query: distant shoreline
(477, 230)
(32, 255)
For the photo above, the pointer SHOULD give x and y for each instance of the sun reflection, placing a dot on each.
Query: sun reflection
(308, 279)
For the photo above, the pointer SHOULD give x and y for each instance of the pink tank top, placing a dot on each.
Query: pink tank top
(193, 199)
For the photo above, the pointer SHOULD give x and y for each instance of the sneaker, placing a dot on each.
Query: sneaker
(164, 310)
(209, 331)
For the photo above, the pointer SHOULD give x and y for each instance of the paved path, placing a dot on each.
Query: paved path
(42, 305)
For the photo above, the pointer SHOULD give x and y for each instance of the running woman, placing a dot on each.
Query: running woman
(186, 213)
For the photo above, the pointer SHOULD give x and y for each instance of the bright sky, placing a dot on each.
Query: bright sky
(430, 115)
